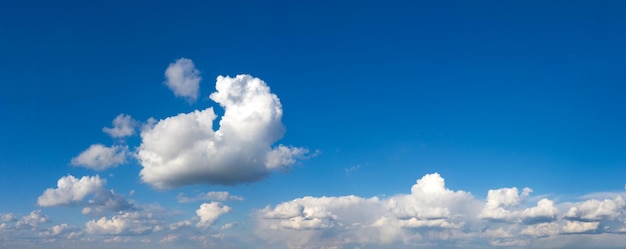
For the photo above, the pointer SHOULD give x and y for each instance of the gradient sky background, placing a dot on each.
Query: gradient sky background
(491, 95)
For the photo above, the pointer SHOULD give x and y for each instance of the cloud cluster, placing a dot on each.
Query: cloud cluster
(72, 191)
(100, 157)
(434, 215)
(183, 79)
(185, 149)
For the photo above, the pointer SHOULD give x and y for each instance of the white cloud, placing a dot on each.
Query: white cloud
(125, 223)
(32, 220)
(209, 196)
(240, 151)
(183, 79)
(356, 220)
(580, 227)
(100, 157)
(57, 230)
(434, 215)
(123, 126)
(228, 226)
(7, 217)
(72, 191)
(595, 210)
(210, 212)
(169, 238)
(180, 224)
(504, 205)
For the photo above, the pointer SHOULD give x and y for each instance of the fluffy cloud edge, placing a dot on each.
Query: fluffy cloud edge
(241, 150)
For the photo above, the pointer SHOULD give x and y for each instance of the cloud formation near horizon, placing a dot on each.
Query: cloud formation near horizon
(185, 149)
(434, 215)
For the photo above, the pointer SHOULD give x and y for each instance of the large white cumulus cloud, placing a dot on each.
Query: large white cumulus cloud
(186, 149)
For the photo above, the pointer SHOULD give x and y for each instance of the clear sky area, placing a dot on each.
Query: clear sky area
(312, 124)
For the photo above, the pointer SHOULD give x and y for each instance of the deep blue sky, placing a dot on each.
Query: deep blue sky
(490, 94)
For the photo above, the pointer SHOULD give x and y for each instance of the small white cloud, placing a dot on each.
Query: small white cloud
(123, 126)
(32, 220)
(56, 230)
(228, 226)
(185, 149)
(210, 196)
(180, 224)
(183, 79)
(72, 191)
(124, 223)
(169, 238)
(580, 227)
(7, 217)
(99, 157)
(210, 212)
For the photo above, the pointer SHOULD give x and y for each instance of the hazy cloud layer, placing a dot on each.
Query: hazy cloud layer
(183, 79)
(209, 196)
(185, 149)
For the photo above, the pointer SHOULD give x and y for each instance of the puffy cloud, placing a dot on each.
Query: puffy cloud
(580, 227)
(429, 211)
(435, 215)
(498, 202)
(125, 223)
(544, 211)
(7, 217)
(57, 230)
(123, 126)
(33, 220)
(72, 191)
(503, 205)
(185, 149)
(183, 79)
(100, 157)
(595, 210)
(209, 196)
(541, 229)
(210, 212)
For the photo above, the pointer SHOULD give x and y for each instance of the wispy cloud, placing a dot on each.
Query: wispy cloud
(209, 196)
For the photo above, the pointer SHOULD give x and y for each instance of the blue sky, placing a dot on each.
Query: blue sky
(334, 124)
